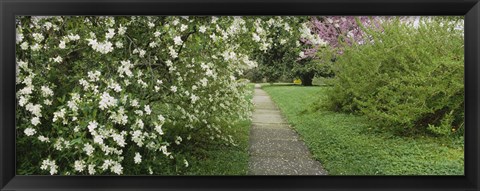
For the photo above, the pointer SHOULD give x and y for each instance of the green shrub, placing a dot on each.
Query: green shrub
(407, 78)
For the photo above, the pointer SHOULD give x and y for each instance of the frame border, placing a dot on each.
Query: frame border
(10, 8)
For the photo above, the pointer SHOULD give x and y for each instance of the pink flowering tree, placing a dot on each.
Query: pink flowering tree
(323, 39)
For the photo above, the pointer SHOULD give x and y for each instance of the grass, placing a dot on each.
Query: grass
(220, 159)
(348, 145)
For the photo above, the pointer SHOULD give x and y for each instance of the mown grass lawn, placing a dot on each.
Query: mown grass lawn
(349, 145)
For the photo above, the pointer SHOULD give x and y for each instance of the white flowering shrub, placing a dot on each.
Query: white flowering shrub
(123, 95)
(279, 46)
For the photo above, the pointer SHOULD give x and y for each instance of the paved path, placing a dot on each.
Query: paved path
(275, 149)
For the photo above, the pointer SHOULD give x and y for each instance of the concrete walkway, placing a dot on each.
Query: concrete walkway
(275, 149)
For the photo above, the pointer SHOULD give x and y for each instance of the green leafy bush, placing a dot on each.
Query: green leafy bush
(405, 77)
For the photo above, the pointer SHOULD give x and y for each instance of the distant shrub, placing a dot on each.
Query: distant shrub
(407, 77)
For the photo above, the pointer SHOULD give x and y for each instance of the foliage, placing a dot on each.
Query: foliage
(407, 78)
(127, 95)
(279, 46)
(347, 144)
(323, 39)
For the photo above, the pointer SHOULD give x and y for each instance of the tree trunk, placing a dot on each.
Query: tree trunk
(307, 79)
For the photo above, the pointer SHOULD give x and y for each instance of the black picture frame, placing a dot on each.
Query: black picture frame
(10, 8)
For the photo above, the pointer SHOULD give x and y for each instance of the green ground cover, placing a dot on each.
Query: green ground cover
(350, 145)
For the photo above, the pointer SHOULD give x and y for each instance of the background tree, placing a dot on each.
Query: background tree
(279, 49)
(323, 39)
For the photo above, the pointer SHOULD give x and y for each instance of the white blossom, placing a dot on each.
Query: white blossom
(139, 123)
(153, 44)
(194, 98)
(137, 137)
(256, 38)
(79, 165)
(116, 87)
(92, 126)
(50, 165)
(159, 130)
(72, 105)
(19, 37)
(59, 114)
(122, 30)
(27, 90)
(173, 89)
(202, 29)
(161, 118)
(134, 103)
(119, 117)
(22, 64)
(137, 158)
(163, 148)
(110, 34)
(151, 25)
(119, 44)
(106, 164)
(301, 54)
(124, 68)
(178, 140)
(119, 139)
(35, 121)
(102, 47)
(150, 171)
(48, 25)
(43, 139)
(38, 37)
(148, 111)
(88, 148)
(175, 22)
(35, 47)
(142, 53)
(73, 37)
(177, 40)
(138, 112)
(107, 101)
(84, 83)
(24, 45)
(183, 27)
(173, 53)
(91, 169)
(62, 44)
(30, 131)
(117, 168)
(46, 91)
(94, 75)
(34, 109)
(47, 102)
(204, 82)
